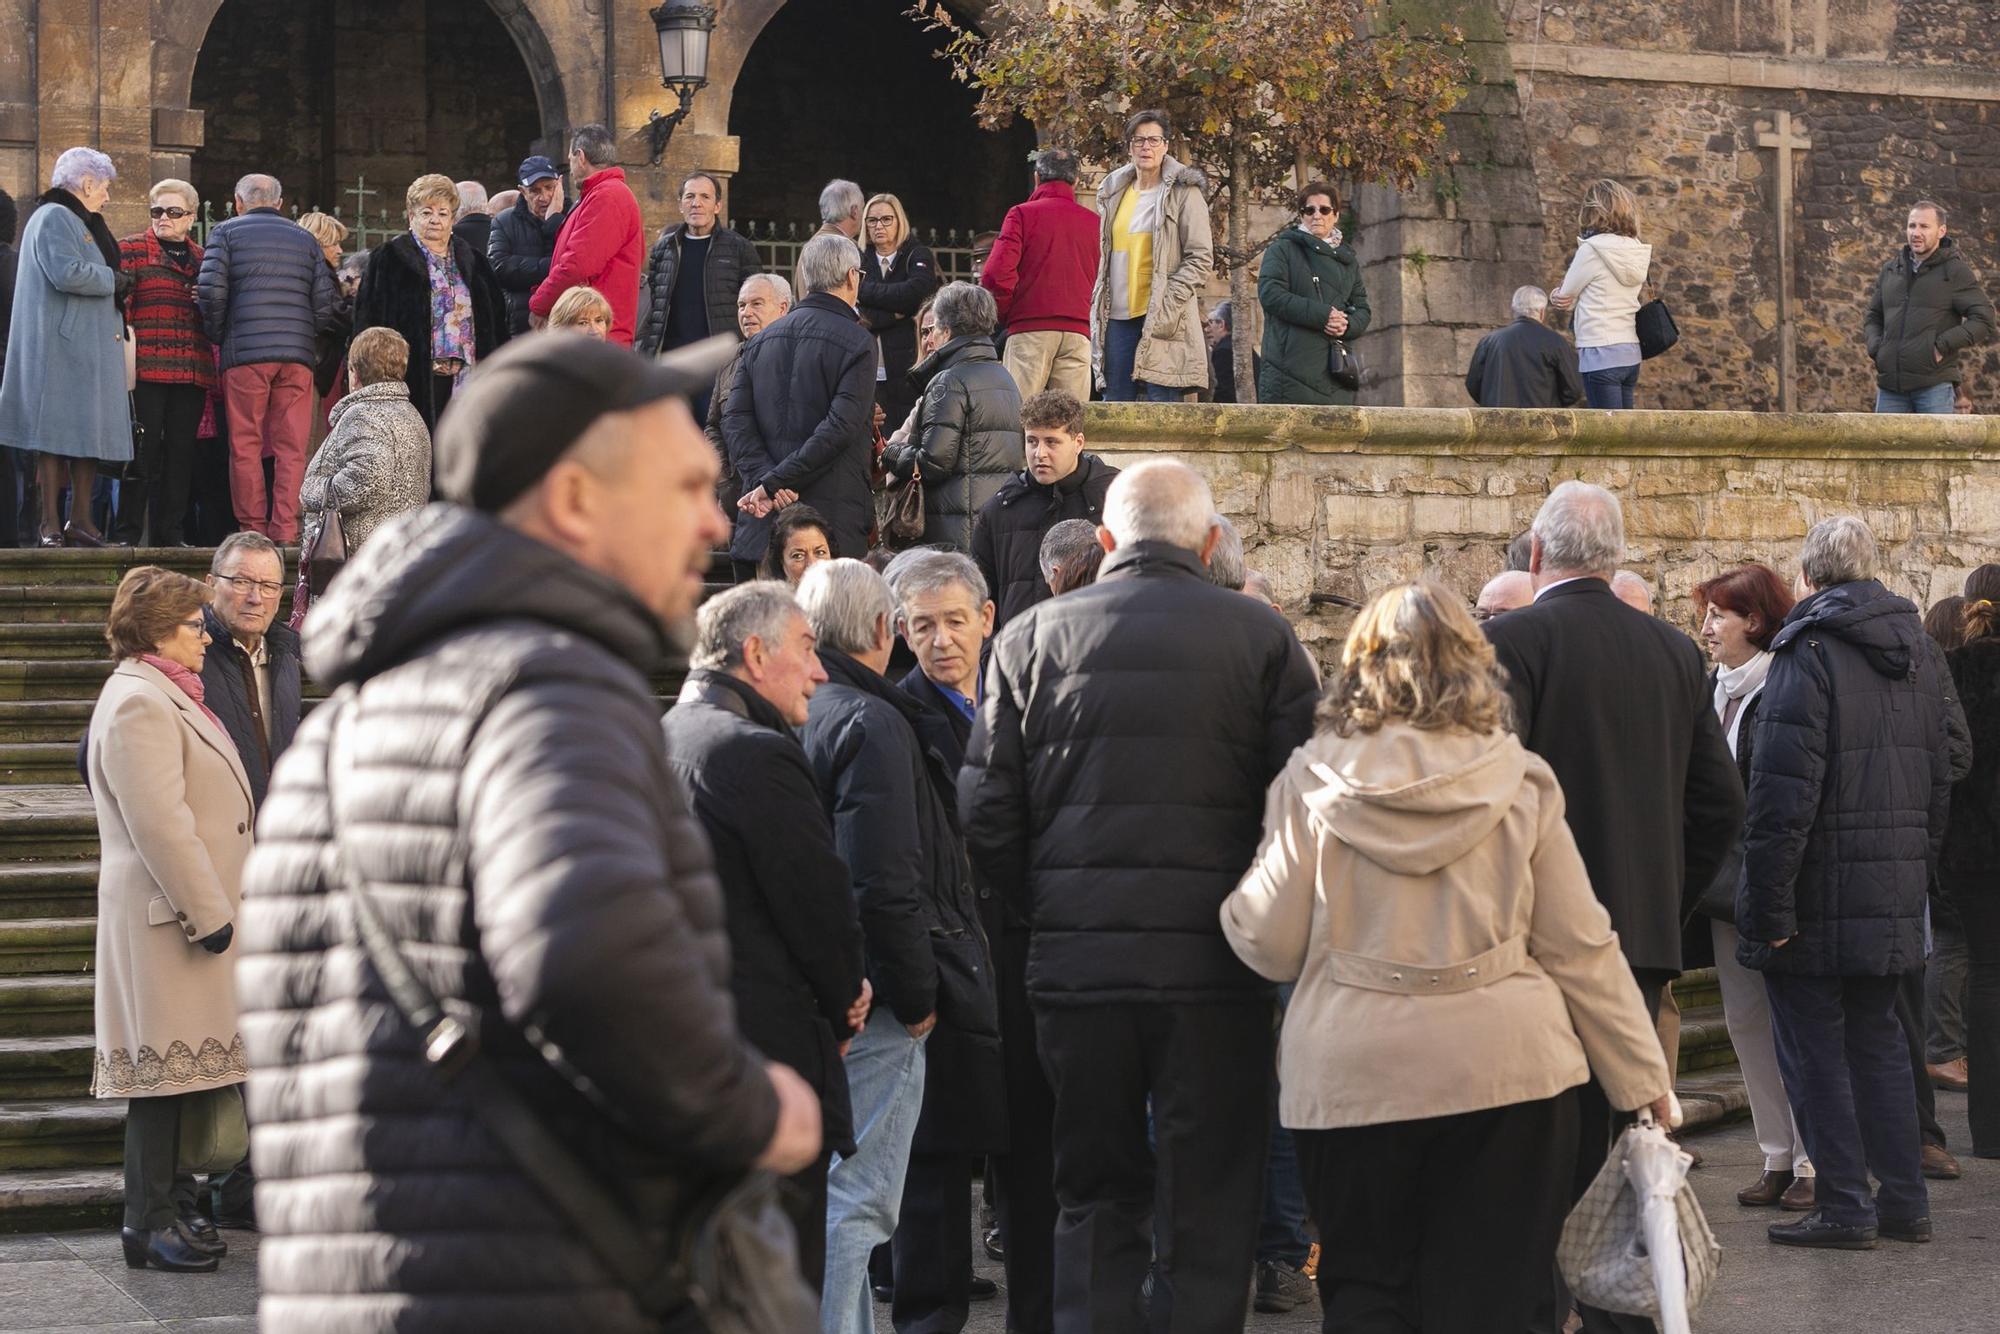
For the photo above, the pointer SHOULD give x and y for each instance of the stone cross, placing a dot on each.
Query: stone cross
(362, 194)
(1779, 134)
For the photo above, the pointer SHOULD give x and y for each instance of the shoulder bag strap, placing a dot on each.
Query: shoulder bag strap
(451, 1049)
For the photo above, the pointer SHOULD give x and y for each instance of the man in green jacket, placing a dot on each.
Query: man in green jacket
(1928, 308)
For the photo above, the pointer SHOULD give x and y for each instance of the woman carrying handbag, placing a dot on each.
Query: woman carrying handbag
(1314, 302)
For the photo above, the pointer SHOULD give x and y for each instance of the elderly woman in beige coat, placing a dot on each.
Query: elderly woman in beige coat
(1155, 254)
(1457, 980)
(173, 818)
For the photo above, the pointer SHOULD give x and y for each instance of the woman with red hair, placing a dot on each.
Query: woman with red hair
(1740, 614)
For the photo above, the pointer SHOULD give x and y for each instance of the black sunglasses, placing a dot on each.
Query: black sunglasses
(175, 213)
(1318, 208)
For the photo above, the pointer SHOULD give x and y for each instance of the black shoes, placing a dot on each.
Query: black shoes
(168, 1249)
(982, 1289)
(1915, 1231)
(991, 1240)
(201, 1234)
(1815, 1231)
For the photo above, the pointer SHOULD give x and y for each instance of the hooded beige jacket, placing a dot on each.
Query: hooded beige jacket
(1171, 352)
(1424, 891)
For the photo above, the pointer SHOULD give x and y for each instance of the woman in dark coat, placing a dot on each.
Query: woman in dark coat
(1310, 288)
(967, 440)
(438, 292)
(176, 367)
(1967, 869)
(897, 275)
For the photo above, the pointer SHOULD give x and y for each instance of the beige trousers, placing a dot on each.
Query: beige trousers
(1049, 359)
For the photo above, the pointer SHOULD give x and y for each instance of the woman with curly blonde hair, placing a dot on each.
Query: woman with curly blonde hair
(1457, 979)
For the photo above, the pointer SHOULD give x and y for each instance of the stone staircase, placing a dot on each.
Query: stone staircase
(60, 1149)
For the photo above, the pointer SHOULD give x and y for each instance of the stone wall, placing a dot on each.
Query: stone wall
(1349, 501)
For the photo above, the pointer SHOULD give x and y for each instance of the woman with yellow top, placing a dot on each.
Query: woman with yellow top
(1154, 257)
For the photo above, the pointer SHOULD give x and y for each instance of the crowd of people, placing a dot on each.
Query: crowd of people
(1002, 823)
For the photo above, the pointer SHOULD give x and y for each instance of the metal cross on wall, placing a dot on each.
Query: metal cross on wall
(1778, 133)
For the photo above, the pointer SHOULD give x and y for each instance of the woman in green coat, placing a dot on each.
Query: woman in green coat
(1310, 288)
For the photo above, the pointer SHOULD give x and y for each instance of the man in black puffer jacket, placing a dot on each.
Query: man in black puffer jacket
(266, 294)
(711, 259)
(800, 417)
(493, 770)
(1850, 786)
(1928, 309)
(1114, 793)
(967, 439)
(1060, 482)
(523, 239)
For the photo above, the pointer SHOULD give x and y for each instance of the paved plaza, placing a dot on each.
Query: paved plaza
(75, 1282)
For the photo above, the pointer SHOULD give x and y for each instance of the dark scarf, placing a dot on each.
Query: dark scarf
(94, 223)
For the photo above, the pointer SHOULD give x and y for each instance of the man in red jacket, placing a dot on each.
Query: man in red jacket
(1040, 273)
(603, 245)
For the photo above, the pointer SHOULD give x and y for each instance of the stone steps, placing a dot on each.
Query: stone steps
(63, 1132)
(47, 1005)
(48, 946)
(52, 1199)
(47, 889)
(25, 721)
(48, 1065)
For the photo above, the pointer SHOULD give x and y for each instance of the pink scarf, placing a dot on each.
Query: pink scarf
(189, 683)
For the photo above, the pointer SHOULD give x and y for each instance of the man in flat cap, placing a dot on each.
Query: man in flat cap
(490, 779)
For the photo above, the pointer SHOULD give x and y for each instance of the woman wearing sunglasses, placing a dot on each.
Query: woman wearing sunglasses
(176, 368)
(1310, 288)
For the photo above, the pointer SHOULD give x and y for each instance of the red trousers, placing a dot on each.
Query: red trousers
(269, 405)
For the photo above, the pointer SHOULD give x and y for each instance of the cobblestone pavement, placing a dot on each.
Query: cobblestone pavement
(76, 1282)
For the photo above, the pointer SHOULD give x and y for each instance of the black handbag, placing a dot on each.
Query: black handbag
(1343, 365)
(325, 553)
(899, 511)
(1657, 330)
(731, 1253)
(1718, 901)
(966, 998)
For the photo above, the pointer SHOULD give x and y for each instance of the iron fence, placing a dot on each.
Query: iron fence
(365, 229)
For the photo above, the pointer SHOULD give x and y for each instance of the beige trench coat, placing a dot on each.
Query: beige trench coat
(173, 820)
(1172, 352)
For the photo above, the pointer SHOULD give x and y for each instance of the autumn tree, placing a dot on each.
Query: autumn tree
(1263, 94)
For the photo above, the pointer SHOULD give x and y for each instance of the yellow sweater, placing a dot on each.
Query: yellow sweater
(1132, 228)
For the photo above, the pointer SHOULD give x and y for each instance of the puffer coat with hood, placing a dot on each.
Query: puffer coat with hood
(1301, 282)
(1850, 788)
(1606, 277)
(1923, 317)
(1423, 889)
(968, 439)
(1172, 352)
(503, 784)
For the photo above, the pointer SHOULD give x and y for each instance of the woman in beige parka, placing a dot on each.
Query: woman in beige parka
(1155, 254)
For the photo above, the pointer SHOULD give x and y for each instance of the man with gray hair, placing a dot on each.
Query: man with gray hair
(1113, 796)
(266, 294)
(794, 936)
(840, 204)
(889, 795)
(1850, 787)
(603, 242)
(1226, 565)
(1040, 271)
(474, 220)
(800, 417)
(761, 299)
(1064, 545)
(1527, 364)
(1618, 703)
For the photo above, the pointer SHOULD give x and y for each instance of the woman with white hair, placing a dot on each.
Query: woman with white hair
(176, 368)
(64, 394)
(967, 438)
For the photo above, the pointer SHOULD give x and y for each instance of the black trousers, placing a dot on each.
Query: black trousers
(1981, 918)
(1439, 1226)
(1025, 1197)
(157, 480)
(803, 1198)
(1189, 1206)
(1596, 1126)
(931, 1251)
(152, 1147)
(213, 515)
(1910, 1010)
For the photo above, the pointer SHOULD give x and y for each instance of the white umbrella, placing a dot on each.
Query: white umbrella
(1657, 1170)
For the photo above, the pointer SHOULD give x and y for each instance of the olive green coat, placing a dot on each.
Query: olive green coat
(1301, 282)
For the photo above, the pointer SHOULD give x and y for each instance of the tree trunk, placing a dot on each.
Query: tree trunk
(1242, 285)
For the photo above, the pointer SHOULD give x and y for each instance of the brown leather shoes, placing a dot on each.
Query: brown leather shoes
(1950, 1076)
(1939, 1165)
(1799, 1197)
(1766, 1191)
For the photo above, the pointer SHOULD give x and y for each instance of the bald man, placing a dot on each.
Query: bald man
(1510, 590)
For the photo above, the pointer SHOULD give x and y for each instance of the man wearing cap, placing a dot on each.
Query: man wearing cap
(603, 244)
(800, 418)
(524, 238)
(490, 774)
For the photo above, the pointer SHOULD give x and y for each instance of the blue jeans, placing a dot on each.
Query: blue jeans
(1281, 1234)
(1936, 400)
(864, 1193)
(1121, 348)
(1846, 1064)
(1612, 387)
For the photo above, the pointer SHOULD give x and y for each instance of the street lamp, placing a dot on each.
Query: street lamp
(684, 29)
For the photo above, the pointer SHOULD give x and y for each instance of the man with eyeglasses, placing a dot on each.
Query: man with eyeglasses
(698, 267)
(251, 674)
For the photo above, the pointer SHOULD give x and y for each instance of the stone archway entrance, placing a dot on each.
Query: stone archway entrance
(321, 95)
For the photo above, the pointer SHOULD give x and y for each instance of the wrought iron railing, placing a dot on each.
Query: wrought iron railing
(779, 245)
(365, 228)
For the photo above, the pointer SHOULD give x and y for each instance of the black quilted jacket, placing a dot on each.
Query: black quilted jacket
(1850, 783)
(504, 785)
(968, 439)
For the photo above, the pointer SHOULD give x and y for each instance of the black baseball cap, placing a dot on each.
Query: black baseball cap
(536, 168)
(522, 408)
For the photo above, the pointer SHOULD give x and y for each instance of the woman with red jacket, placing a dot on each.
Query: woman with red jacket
(176, 368)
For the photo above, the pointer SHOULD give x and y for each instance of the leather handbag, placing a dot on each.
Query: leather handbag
(325, 553)
(1343, 365)
(1718, 901)
(730, 1252)
(1657, 330)
(215, 1133)
(899, 510)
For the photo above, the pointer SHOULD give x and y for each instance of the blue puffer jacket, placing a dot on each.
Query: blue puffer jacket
(1850, 786)
(265, 290)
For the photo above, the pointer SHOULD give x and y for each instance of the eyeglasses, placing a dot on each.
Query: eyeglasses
(175, 213)
(881, 222)
(1148, 140)
(196, 624)
(1319, 209)
(927, 331)
(269, 590)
